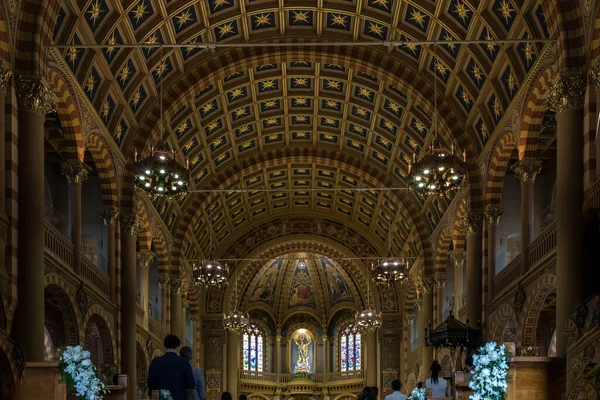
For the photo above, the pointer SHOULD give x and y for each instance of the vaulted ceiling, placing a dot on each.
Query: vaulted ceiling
(288, 119)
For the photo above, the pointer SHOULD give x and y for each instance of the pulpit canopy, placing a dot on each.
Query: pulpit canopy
(452, 333)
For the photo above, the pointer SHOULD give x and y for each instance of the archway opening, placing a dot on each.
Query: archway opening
(60, 320)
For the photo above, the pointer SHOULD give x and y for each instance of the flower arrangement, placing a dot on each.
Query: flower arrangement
(165, 395)
(302, 375)
(79, 373)
(418, 393)
(490, 373)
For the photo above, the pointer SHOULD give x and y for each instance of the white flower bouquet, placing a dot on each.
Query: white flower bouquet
(165, 395)
(79, 373)
(417, 394)
(490, 373)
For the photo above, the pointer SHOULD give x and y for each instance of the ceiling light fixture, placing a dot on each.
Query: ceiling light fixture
(210, 272)
(368, 319)
(236, 321)
(439, 171)
(159, 174)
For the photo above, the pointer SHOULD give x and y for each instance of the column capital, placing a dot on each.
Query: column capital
(527, 170)
(5, 76)
(131, 224)
(409, 317)
(493, 215)
(109, 215)
(195, 318)
(146, 258)
(163, 281)
(33, 95)
(594, 73)
(425, 285)
(567, 93)
(177, 285)
(458, 257)
(440, 279)
(75, 172)
(473, 223)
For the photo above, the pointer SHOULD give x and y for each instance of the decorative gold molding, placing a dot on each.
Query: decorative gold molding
(493, 215)
(425, 285)
(131, 224)
(177, 285)
(33, 95)
(5, 76)
(567, 93)
(440, 279)
(527, 170)
(473, 223)
(109, 216)
(594, 74)
(458, 257)
(75, 172)
(409, 318)
(163, 281)
(195, 318)
(146, 258)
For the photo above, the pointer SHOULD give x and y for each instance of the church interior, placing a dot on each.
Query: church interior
(315, 196)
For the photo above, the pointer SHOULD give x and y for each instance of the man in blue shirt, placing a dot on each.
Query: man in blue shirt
(199, 392)
(171, 372)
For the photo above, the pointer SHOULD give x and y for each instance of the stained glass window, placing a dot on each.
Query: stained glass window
(350, 349)
(253, 349)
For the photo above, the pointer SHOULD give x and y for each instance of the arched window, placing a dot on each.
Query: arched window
(350, 349)
(253, 349)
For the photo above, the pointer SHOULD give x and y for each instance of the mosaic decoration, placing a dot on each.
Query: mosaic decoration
(264, 289)
(336, 284)
(302, 293)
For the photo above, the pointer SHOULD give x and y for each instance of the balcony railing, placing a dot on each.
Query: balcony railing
(269, 377)
(155, 327)
(58, 244)
(95, 275)
(508, 275)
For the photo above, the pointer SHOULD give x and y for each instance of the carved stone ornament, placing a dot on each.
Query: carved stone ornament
(18, 354)
(109, 216)
(33, 95)
(5, 76)
(425, 285)
(74, 171)
(409, 318)
(149, 346)
(519, 298)
(440, 279)
(493, 215)
(596, 317)
(197, 318)
(530, 352)
(527, 170)
(458, 257)
(163, 281)
(146, 258)
(82, 298)
(581, 316)
(473, 223)
(176, 285)
(567, 93)
(588, 353)
(594, 74)
(185, 303)
(131, 224)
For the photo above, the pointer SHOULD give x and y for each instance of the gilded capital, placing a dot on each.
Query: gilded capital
(33, 95)
(185, 303)
(409, 317)
(5, 76)
(163, 281)
(177, 285)
(493, 215)
(473, 223)
(195, 318)
(146, 258)
(594, 74)
(567, 93)
(458, 257)
(131, 224)
(75, 172)
(425, 285)
(527, 170)
(109, 216)
(440, 279)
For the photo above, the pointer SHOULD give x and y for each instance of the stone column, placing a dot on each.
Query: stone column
(145, 258)
(566, 99)
(35, 101)
(109, 217)
(526, 171)
(425, 286)
(594, 73)
(473, 225)
(325, 355)
(404, 348)
(458, 258)
(5, 275)
(440, 279)
(130, 228)
(76, 173)
(277, 354)
(176, 308)
(371, 373)
(233, 358)
(492, 218)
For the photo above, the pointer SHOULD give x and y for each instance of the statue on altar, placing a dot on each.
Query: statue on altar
(303, 342)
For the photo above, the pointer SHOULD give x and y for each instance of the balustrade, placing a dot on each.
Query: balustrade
(508, 275)
(95, 275)
(58, 244)
(269, 377)
(155, 327)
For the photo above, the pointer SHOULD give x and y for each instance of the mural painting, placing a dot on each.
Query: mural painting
(301, 291)
(337, 286)
(264, 289)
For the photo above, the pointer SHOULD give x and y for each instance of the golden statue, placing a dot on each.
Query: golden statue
(303, 342)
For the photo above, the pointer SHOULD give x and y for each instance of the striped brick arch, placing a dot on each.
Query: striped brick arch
(533, 115)
(57, 294)
(499, 321)
(159, 246)
(5, 50)
(458, 236)
(565, 23)
(497, 168)
(145, 236)
(98, 314)
(100, 152)
(442, 248)
(69, 116)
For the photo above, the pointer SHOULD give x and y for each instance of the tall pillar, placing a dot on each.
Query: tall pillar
(492, 218)
(109, 216)
(130, 227)
(35, 101)
(5, 275)
(145, 258)
(458, 258)
(473, 226)
(277, 354)
(76, 173)
(526, 171)
(439, 280)
(176, 309)
(409, 318)
(566, 99)
(325, 355)
(233, 358)
(426, 287)
(371, 338)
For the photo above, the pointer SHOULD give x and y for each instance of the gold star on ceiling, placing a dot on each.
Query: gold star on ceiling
(419, 126)
(105, 109)
(357, 129)
(72, 54)
(112, 40)
(497, 107)
(216, 143)
(161, 68)
(90, 83)
(333, 84)
(244, 129)
(139, 12)
(354, 143)
(405, 158)
(441, 68)
(393, 107)
(327, 136)
(418, 17)
(186, 147)
(300, 118)
(212, 126)
(119, 132)
(182, 127)
(449, 38)
(225, 29)
(360, 111)
(461, 10)
(184, 18)
(329, 121)
(124, 74)
(221, 157)
(301, 134)
(491, 47)
(270, 84)
(247, 144)
(235, 93)
(511, 81)
(273, 136)
(300, 101)
(484, 130)
(376, 29)
(465, 97)
(301, 82)
(529, 52)
(95, 11)
(382, 3)
(389, 125)
(270, 104)
(300, 16)
(412, 143)
(262, 19)
(219, 4)
(240, 112)
(477, 72)
(339, 20)
(331, 104)
(384, 141)
(135, 100)
(365, 93)
(506, 10)
(272, 121)
(412, 48)
(207, 108)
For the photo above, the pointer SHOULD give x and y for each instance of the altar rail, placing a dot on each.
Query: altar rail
(269, 377)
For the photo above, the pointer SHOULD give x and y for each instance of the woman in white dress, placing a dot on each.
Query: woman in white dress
(438, 385)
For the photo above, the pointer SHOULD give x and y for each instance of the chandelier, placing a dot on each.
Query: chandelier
(235, 321)
(388, 271)
(368, 319)
(439, 171)
(210, 273)
(160, 174)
